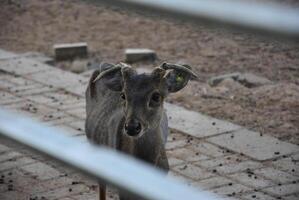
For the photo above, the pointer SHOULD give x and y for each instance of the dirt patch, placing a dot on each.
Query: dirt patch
(272, 109)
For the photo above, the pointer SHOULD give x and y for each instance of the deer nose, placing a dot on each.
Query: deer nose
(133, 127)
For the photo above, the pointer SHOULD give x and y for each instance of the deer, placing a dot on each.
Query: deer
(124, 110)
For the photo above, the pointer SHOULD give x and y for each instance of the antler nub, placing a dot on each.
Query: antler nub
(185, 68)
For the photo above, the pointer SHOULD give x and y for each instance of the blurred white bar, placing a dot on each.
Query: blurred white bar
(109, 166)
(263, 17)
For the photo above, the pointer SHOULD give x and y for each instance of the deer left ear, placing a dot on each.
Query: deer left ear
(176, 80)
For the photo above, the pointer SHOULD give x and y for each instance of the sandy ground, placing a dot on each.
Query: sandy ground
(35, 25)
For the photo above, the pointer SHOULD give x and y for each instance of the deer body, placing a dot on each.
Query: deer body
(125, 110)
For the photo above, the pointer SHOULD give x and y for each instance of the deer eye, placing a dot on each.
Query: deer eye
(122, 96)
(156, 97)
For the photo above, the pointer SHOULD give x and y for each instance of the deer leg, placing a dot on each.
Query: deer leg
(102, 192)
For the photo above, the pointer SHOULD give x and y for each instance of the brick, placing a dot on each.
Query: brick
(276, 175)
(196, 124)
(70, 131)
(78, 125)
(17, 195)
(175, 144)
(78, 112)
(258, 196)
(252, 180)
(6, 54)
(192, 171)
(22, 66)
(212, 163)
(287, 164)
(41, 170)
(291, 197)
(77, 89)
(61, 122)
(73, 105)
(280, 190)
(214, 182)
(9, 155)
(39, 57)
(56, 78)
(5, 85)
(231, 190)
(187, 155)
(253, 145)
(4, 148)
(174, 161)
(37, 90)
(208, 149)
(179, 177)
(10, 164)
(64, 191)
(87, 196)
(238, 167)
(51, 184)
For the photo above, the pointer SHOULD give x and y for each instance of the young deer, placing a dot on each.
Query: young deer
(125, 110)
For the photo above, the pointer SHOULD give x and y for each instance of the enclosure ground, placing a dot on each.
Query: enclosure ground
(35, 25)
(220, 157)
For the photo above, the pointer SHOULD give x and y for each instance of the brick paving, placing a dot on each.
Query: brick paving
(203, 152)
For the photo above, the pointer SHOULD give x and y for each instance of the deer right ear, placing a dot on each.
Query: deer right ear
(109, 75)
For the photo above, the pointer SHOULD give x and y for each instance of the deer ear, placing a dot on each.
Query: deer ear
(113, 80)
(109, 75)
(177, 79)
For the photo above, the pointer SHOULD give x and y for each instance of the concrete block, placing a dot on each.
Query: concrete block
(134, 55)
(254, 145)
(70, 51)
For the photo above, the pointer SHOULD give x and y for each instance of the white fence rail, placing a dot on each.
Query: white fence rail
(109, 166)
(270, 18)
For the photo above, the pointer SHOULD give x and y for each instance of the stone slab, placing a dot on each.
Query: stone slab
(196, 124)
(254, 145)
(70, 51)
